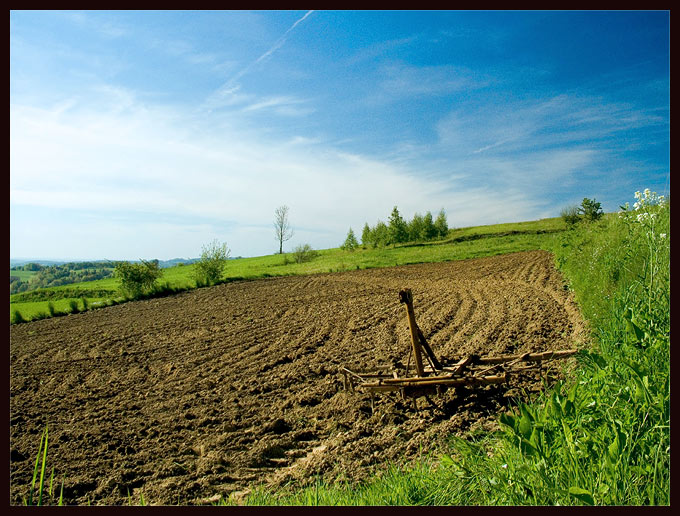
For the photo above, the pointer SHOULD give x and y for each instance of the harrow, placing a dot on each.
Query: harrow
(434, 377)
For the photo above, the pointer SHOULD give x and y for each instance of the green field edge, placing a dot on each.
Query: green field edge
(460, 244)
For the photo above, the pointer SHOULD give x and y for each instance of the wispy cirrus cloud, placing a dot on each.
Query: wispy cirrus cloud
(398, 81)
(524, 125)
(276, 46)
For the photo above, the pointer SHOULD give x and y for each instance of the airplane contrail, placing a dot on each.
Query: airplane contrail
(279, 43)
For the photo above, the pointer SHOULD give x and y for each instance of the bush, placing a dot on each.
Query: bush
(590, 209)
(137, 279)
(304, 253)
(571, 215)
(211, 264)
(17, 318)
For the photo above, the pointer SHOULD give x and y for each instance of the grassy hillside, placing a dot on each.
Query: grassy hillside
(459, 245)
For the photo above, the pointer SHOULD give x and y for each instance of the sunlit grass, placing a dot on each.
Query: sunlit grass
(461, 244)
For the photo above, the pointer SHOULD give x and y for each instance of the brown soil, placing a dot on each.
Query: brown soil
(203, 394)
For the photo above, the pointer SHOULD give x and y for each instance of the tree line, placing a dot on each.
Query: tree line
(397, 230)
(57, 275)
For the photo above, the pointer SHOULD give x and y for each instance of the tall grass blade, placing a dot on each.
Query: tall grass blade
(35, 470)
(42, 469)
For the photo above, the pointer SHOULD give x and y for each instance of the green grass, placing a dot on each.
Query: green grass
(23, 275)
(460, 244)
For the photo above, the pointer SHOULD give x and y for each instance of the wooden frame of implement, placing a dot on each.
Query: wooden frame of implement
(435, 377)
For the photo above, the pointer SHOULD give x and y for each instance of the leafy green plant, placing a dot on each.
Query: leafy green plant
(73, 306)
(137, 279)
(304, 253)
(571, 215)
(209, 268)
(17, 318)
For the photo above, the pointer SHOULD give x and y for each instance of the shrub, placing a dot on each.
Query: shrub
(137, 279)
(304, 253)
(50, 308)
(571, 215)
(211, 264)
(73, 305)
(17, 318)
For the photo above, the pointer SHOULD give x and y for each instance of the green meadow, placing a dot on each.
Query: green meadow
(460, 244)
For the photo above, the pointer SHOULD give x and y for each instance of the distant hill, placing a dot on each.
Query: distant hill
(17, 262)
(164, 264)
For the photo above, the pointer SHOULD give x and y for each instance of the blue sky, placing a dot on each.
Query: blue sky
(150, 134)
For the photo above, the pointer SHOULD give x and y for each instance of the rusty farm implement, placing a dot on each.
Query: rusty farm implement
(431, 376)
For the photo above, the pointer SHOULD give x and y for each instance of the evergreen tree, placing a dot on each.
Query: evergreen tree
(398, 228)
(441, 225)
(415, 228)
(366, 235)
(350, 243)
(381, 234)
(590, 209)
(429, 231)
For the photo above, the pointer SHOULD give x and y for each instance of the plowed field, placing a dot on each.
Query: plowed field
(209, 391)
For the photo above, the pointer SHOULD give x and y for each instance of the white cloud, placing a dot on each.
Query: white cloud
(402, 80)
(141, 163)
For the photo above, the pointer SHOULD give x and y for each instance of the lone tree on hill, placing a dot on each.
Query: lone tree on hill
(282, 226)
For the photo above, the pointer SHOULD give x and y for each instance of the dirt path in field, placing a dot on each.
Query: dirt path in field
(202, 394)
